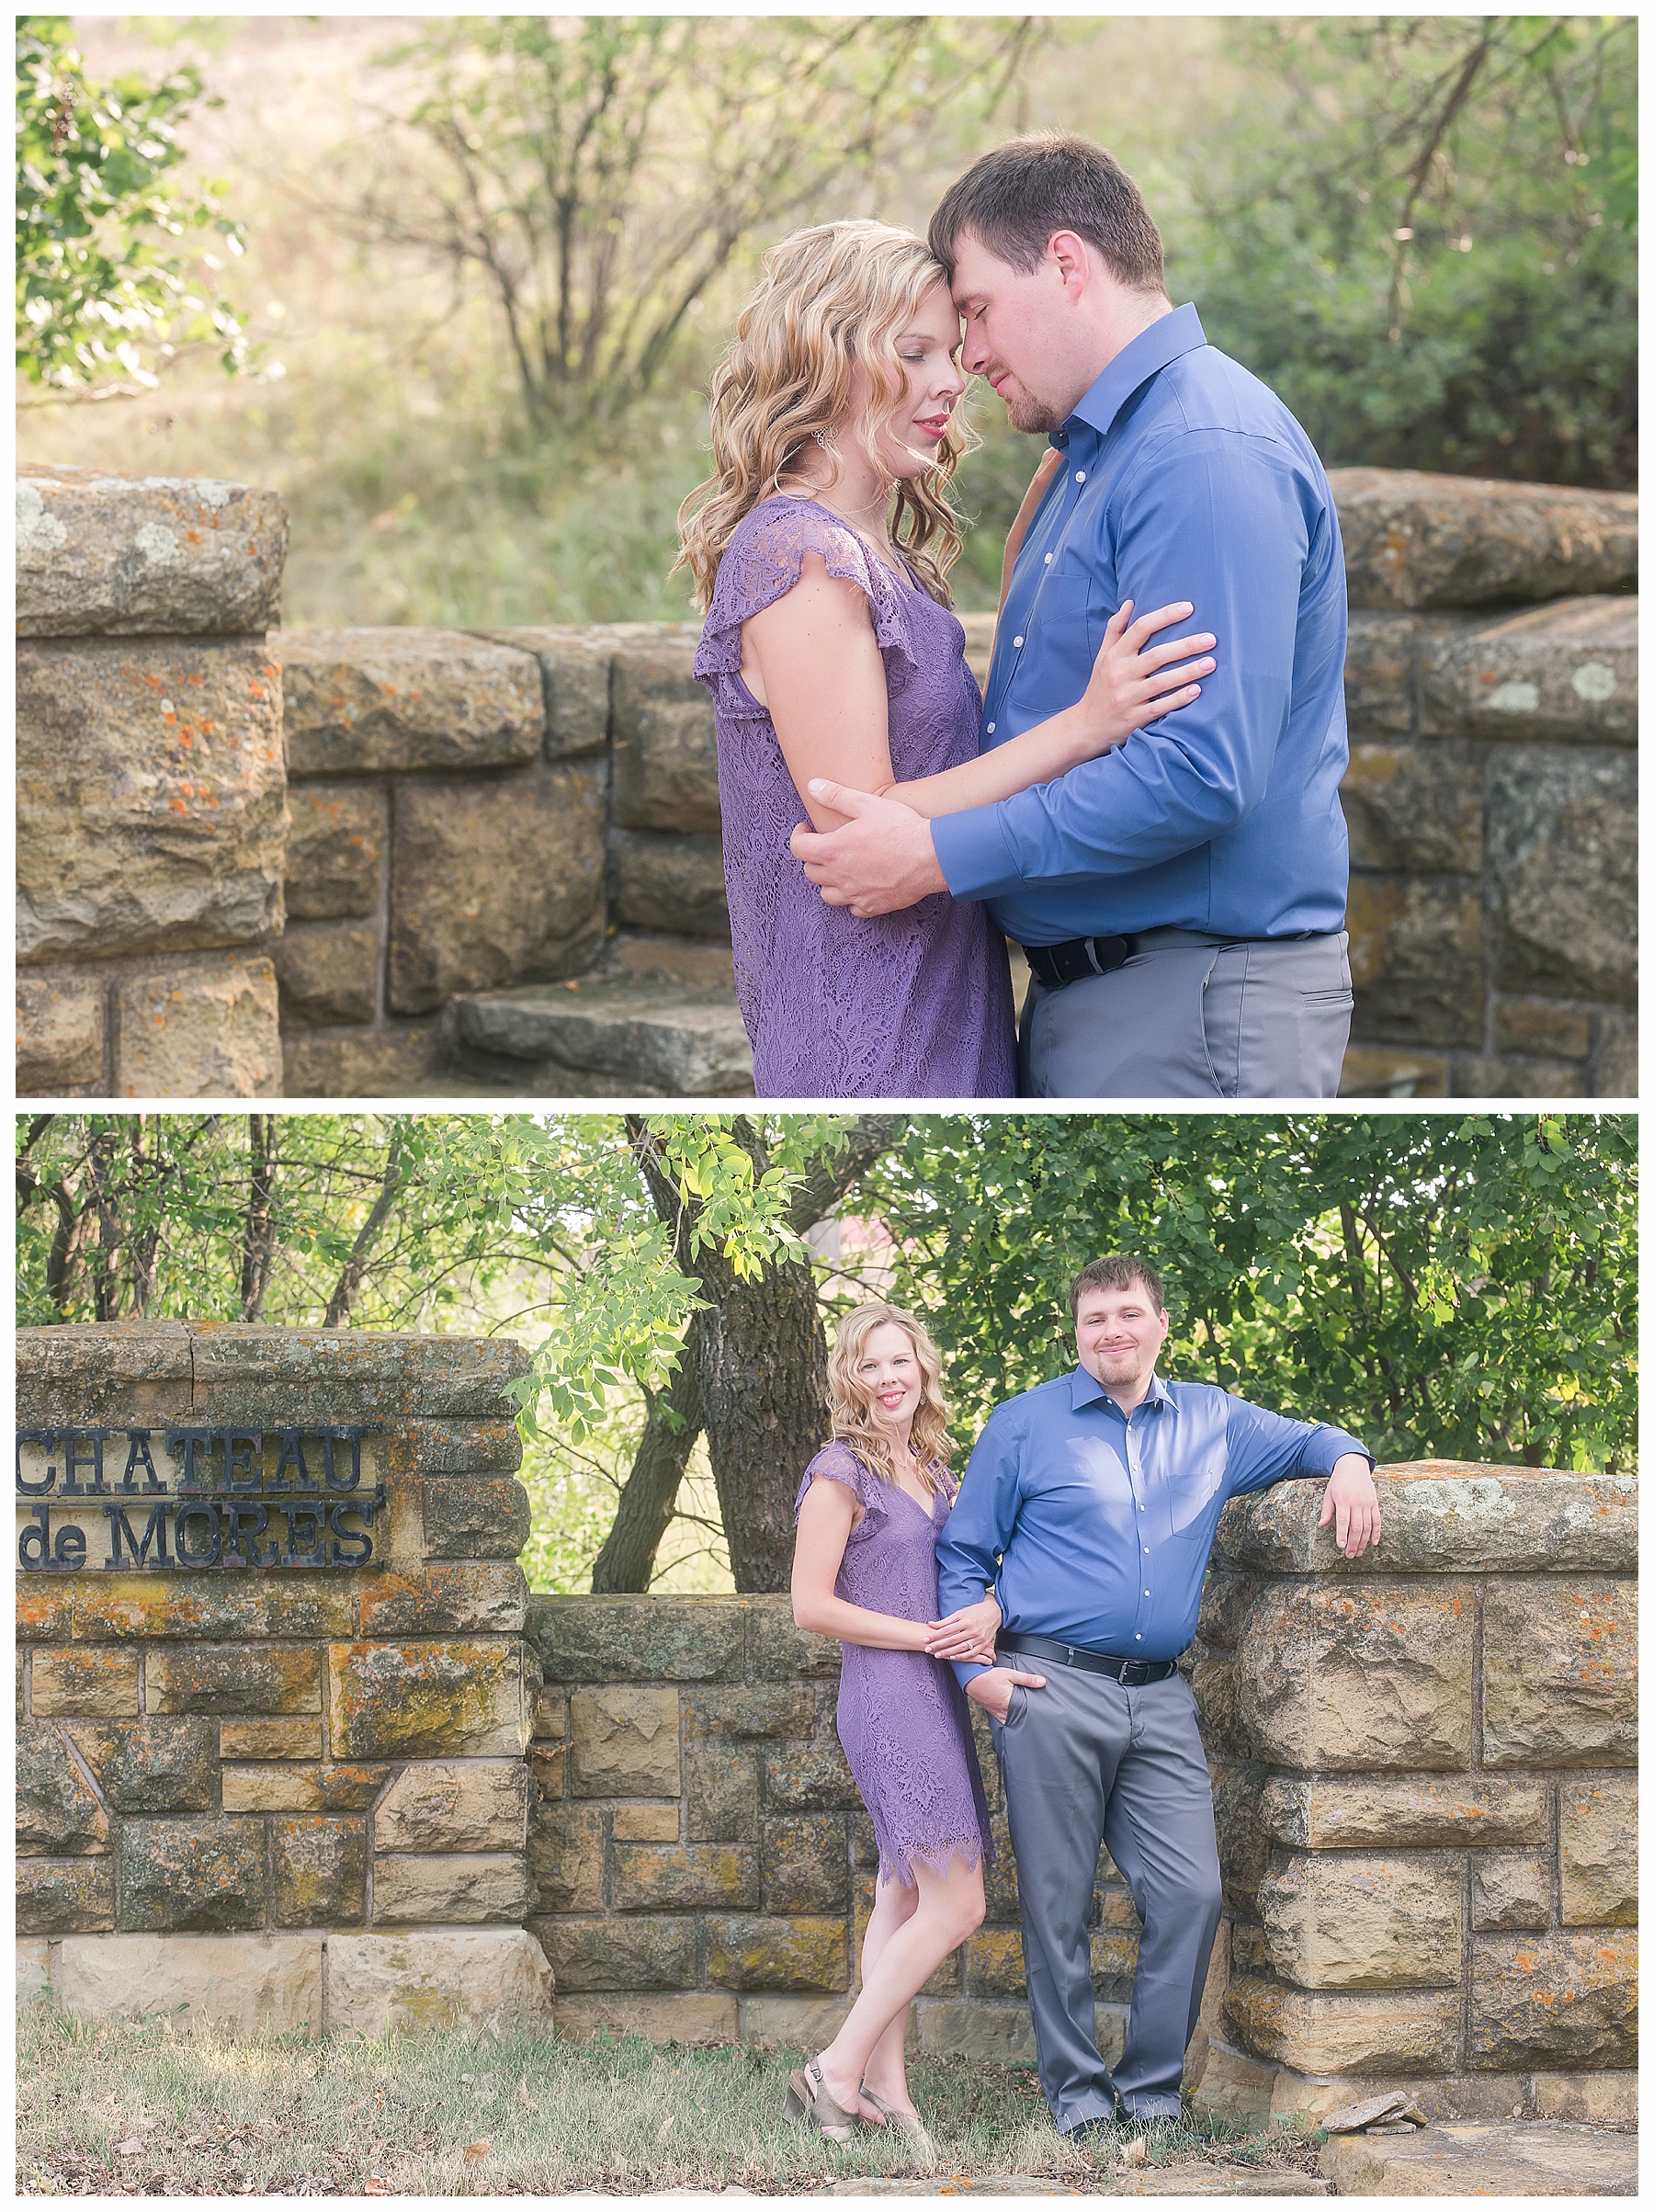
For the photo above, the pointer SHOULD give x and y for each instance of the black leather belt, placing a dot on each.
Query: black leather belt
(1058, 964)
(1130, 1672)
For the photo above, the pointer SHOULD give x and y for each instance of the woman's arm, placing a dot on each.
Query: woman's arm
(968, 1633)
(826, 1520)
(811, 658)
(1051, 461)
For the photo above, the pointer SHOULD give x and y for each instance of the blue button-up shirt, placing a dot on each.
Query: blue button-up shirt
(1185, 478)
(1094, 1526)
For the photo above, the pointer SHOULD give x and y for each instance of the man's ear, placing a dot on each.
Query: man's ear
(1074, 259)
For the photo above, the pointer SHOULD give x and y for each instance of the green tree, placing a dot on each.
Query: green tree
(107, 295)
(1461, 1286)
(1421, 232)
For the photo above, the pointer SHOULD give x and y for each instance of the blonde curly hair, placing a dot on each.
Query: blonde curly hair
(832, 295)
(850, 1403)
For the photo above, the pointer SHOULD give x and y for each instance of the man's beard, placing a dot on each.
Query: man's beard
(1031, 414)
(1120, 1367)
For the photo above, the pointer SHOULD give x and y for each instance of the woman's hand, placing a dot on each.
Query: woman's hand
(1133, 682)
(967, 1634)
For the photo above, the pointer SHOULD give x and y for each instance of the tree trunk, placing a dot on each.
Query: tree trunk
(627, 1560)
(258, 1229)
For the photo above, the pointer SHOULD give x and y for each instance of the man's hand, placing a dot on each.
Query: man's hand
(881, 860)
(992, 1690)
(1352, 1497)
(967, 1634)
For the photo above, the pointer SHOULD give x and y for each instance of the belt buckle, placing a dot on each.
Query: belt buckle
(1128, 1669)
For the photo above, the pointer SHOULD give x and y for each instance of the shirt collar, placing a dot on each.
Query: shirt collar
(1163, 341)
(1086, 1390)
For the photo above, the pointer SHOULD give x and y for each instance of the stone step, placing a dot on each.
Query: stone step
(1182, 2177)
(1468, 2158)
(608, 1037)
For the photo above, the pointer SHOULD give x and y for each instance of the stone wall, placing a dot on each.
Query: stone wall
(1424, 1765)
(287, 1797)
(503, 866)
(151, 793)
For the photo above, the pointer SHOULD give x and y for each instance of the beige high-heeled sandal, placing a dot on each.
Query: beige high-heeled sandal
(907, 2124)
(810, 2101)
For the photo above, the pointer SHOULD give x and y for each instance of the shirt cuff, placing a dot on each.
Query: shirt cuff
(969, 1669)
(974, 854)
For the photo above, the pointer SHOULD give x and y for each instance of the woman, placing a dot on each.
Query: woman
(820, 549)
(864, 1570)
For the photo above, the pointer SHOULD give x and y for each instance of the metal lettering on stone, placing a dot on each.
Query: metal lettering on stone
(189, 1500)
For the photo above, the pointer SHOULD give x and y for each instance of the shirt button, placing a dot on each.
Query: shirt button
(992, 727)
(1080, 476)
(1017, 640)
(1139, 1636)
(1145, 1594)
(1050, 557)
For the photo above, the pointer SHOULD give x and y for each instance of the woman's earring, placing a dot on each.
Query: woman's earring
(827, 442)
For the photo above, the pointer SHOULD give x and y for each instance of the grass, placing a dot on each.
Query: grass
(457, 2114)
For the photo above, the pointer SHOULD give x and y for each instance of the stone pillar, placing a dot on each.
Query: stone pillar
(290, 1796)
(152, 788)
(1424, 1765)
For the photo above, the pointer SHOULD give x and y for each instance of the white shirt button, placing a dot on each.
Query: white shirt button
(1017, 640)
(1050, 557)
(1080, 476)
(1139, 1636)
(1145, 1594)
(992, 727)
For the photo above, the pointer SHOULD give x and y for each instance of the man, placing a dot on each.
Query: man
(1092, 1502)
(1182, 898)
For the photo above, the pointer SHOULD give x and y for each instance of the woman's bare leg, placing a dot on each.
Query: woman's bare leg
(950, 1907)
(886, 2072)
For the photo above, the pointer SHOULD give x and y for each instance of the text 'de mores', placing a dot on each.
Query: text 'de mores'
(189, 1499)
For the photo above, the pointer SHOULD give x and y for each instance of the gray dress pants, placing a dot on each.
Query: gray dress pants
(1195, 1017)
(1087, 1762)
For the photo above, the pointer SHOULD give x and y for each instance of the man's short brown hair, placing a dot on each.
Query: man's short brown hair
(1014, 198)
(1118, 1272)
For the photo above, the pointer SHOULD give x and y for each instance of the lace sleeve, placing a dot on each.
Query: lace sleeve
(764, 559)
(838, 1463)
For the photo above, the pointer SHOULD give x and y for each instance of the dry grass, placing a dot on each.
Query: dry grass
(138, 2109)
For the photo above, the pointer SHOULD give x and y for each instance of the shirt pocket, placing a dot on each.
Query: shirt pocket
(1068, 615)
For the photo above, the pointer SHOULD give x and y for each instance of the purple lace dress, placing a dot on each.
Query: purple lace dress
(914, 1005)
(902, 1719)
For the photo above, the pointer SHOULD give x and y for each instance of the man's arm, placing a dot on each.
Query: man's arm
(979, 1526)
(1265, 1448)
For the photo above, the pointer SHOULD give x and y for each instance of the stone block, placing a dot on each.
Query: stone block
(43, 1610)
(1355, 1920)
(151, 809)
(328, 971)
(1562, 871)
(386, 1984)
(494, 880)
(452, 1447)
(1541, 1028)
(802, 2024)
(451, 1887)
(1560, 1674)
(474, 1517)
(671, 1878)
(251, 1371)
(998, 1875)
(1567, 1998)
(1517, 2159)
(1216, 1687)
(641, 1638)
(192, 1872)
(335, 850)
(1382, 2032)
(327, 1787)
(1596, 1835)
(1441, 1514)
(217, 1607)
(1226, 1603)
(443, 1600)
(388, 1063)
(750, 1713)
(235, 1678)
(1487, 1075)
(1360, 1677)
(986, 2034)
(1564, 671)
(666, 749)
(1615, 1058)
(565, 1857)
(670, 881)
(1392, 1812)
(574, 680)
(319, 1872)
(1377, 1071)
(365, 701)
(766, 1952)
(624, 1743)
(654, 1954)
(207, 1027)
(1412, 538)
(700, 2017)
(248, 1985)
(1414, 808)
(780, 1652)
(993, 1963)
(422, 1700)
(56, 1810)
(92, 1684)
(56, 1897)
(60, 1031)
(1606, 2100)
(649, 1824)
(1416, 959)
(1510, 1889)
(1114, 1957)
(604, 1035)
(454, 1805)
(813, 1777)
(1381, 673)
(102, 554)
(31, 1976)
(100, 1371)
(806, 1865)
(720, 1784)
(547, 1765)
(154, 1766)
(268, 1739)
